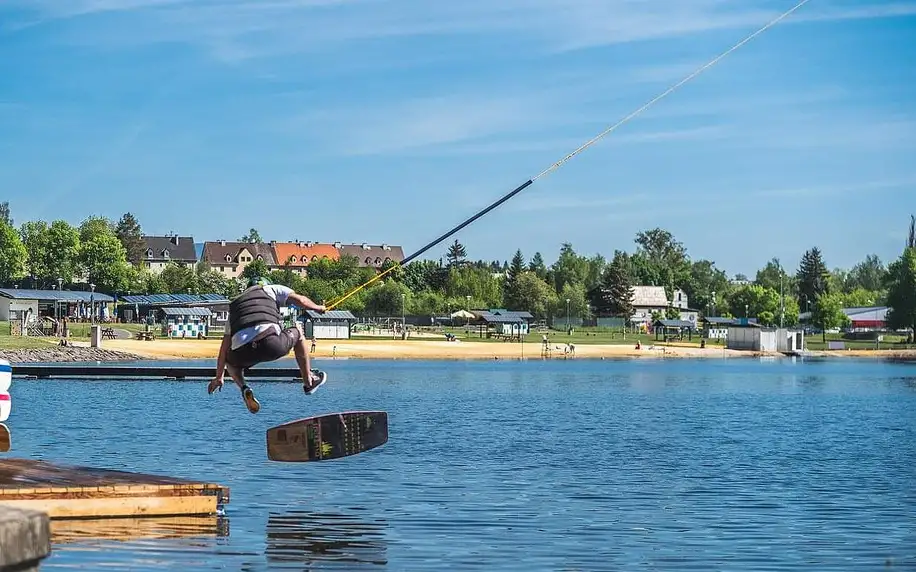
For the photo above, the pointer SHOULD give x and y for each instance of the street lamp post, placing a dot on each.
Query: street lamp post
(713, 302)
(403, 316)
(745, 311)
(467, 319)
(60, 289)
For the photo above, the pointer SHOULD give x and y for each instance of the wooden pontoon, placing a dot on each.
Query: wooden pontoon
(83, 492)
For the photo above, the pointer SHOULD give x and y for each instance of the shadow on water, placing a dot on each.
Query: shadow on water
(311, 538)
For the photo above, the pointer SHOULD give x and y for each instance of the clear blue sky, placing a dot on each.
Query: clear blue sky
(363, 120)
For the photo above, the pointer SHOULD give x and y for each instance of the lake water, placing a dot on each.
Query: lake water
(508, 465)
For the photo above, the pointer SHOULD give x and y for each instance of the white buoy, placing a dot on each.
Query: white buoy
(6, 379)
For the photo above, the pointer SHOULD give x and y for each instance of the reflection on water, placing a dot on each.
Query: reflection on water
(310, 538)
(147, 528)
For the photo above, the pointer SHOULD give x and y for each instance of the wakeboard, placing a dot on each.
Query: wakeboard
(326, 437)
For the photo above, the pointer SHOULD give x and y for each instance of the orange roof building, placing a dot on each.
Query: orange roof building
(301, 254)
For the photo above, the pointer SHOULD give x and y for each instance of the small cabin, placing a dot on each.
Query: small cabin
(185, 322)
(330, 325)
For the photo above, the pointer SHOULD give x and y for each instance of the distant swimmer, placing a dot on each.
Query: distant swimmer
(255, 336)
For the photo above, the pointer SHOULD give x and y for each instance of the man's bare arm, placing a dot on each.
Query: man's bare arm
(304, 302)
(221, 358)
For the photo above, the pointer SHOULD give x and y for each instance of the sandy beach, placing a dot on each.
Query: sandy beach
(440, 349)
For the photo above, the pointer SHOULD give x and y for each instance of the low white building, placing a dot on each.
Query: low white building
(747, 336)
(331, 325)
(790, 340)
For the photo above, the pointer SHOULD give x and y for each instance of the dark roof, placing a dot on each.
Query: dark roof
(331, 315)
(186, 311)
(675, 323)
(491, 318)
(372, 255)
(216, 252)
(54, 295)
(719, 320)
(179, 248)
(175, 299)
(519, 313)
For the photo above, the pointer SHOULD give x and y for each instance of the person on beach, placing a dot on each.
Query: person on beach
(256, 336)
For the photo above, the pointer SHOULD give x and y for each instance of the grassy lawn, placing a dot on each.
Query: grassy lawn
(8, 342)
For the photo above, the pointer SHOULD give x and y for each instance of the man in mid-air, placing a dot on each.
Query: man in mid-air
(255, 336)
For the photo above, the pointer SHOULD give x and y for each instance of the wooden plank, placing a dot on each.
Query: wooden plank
(44, 371)
(326, 437)
(87, 492)
(118, 506)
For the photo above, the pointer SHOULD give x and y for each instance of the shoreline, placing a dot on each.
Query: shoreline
(128, 350)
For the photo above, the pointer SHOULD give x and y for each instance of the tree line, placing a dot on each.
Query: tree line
(106, 253)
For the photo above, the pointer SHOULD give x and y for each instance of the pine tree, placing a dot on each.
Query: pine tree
(511, 295)
(131, 236)
(456, 254)
(911, 242)
(812, 277)
(614, 295)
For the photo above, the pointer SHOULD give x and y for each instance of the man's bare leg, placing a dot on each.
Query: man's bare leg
(310, 381)
(238, 376)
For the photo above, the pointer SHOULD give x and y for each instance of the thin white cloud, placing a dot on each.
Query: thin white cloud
(239, 29)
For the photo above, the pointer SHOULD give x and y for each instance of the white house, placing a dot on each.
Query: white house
(646, 300)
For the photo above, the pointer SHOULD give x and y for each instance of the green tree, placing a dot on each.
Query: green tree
(534, 294)
(13, 255)
(255, 269)
(512, 296)
(663, 260)
(860, 298)
(388, 299)
(422, 275)
(34, 236)
(868, 274)
(478, 283)
(569, 269)
(578, 303)
(828, 313)
(911, 240)
(5, 215)
(901, 291)
(812, 277)
(426, 303)
(104, 262)
(62, 256)
(537, 266)
(704, 279)
(179, 279)
(95, 226)
(764, 304)
(614, 296)
(252, 236)
(457, 254)
(774, 277)
(130, 234)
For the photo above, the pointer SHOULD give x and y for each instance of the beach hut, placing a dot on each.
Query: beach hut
(185, 322)
(331, 325)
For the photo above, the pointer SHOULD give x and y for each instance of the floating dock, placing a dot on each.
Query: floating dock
(64, 491)
(45, 371)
